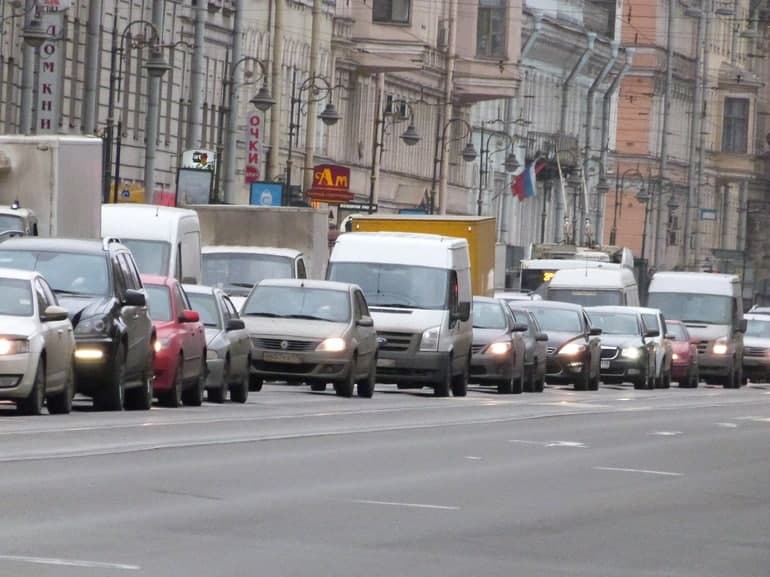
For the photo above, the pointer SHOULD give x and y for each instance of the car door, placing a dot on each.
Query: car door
(53, 336)
(528, 337)
(652, 322)
(240, 344)
(192, 338)
(517, 341)
(367, 336)
(665, 342)
(136, 319)
(594, 345)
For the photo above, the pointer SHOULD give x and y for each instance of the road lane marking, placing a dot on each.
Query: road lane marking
(409, 505)
(644, 471)
(574, 444)
(472, 458)
(666, 433)
(69, 562)
(727, 425)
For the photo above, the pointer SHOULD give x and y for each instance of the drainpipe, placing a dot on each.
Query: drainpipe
(590, 42)
(92, 66)
(276, 90)
(451, 56)
(194, 136)
(606, 109)
(590, 97)
(310, 124)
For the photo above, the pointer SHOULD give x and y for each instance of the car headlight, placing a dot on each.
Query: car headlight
(719, 348)
(94, 326)
(211, 355)
(429, 339)
(632, 353)
(499, 348)
(675, 357)
(13, 346)
(161, 344)
(571, 349)
(332, 345)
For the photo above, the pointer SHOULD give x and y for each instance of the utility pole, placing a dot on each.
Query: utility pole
(194, 136)
(657, 192)
(377, 135)
(276, 89)
(310, 124)
(231, 141)
(152, 118)
(702, 111)
(449, 97)
(92, 67)
(29, 58)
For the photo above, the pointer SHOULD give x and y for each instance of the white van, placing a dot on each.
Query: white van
(418, 288)
(710, 305)
(604, 285)
(164, 240)
(238, 269)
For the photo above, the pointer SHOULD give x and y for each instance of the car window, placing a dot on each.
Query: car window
(49, 295)
(362, 303)
(663, 324)
(17, 297)
(42, 300)
(650, 321)
(489, 315)
(66, 272)
(206, 305)
(534, 324)
(231, 310)
(120, 280)
(299, 302)
(357, 312)
(679, 332)
(179, 301)
(129, 274)
(559, 320)
(301, 273)
(160, 302)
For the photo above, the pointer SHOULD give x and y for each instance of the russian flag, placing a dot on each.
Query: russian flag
(525, 185)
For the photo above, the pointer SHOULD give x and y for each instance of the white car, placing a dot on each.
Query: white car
(37, 345)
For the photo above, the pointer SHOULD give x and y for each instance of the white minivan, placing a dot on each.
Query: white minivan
(710, 305)
(418, 288)
(604, 285)
(165, 241)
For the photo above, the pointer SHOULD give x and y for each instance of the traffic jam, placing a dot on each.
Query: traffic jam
(153, 314)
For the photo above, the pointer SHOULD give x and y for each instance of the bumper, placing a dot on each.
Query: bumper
(490, 368)
(422, 368)
(164, 369)
(620, 370)
(713, 365)
(216, 373)
(564, 370)
(756, 367)
(680, 371)
(303, 366)
(93, 363)
(17, 375)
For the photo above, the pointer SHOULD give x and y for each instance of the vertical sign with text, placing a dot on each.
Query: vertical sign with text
(253, 170)
(51, 67)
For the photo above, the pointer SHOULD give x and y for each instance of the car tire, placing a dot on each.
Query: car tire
(255, 383)
(61, 402)
(584, 381)
(33, 404)
(318, 387)
(140, 398)
(460, 382)
(529, 379)
(593, 384)
(731, 380)
(112, 396)
(193, 396)
(642, 381)
(443, 388)
(345, 388)
(239, 391)
(365, 387)
(173, 397)
(539, 382)
(219, 394)
(505, 387)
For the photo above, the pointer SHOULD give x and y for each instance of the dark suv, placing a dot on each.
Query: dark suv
(98, 282)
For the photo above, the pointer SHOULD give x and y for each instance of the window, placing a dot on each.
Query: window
(17, 298)
(393, 11)
(490, 28)
(160, 302)
(735, 126)
(362, 304)
(129, 273)
(301, 272)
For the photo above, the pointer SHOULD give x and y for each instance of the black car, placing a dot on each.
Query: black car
(534, 348)
(99, 285)
(573, 349)
(628, 353)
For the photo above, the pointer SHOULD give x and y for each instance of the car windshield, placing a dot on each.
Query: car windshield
(558, 320)
(586, 298)
(238, 273)
(298, 302)
(206, 305)
(11, 222)
(488, 316)
(693, 307)
(17, 297)
(151, 256)
(395, 285)
(67, 273)
(759, 328)
(615, 323)
(160, 302)
(677, 331)
(536, 279)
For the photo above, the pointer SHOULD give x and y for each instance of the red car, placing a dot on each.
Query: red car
(684, 363)
(180, 348)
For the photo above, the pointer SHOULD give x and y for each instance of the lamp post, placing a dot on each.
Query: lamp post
(620, 181)
(262, 101)
(511, 163)
(468, 154)
(156, 67)
(318, 88)
(410, 137)
(644, 198)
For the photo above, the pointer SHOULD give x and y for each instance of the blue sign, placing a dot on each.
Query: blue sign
(412, 211)
(266, 194)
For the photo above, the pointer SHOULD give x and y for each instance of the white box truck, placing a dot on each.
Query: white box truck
(56, 177)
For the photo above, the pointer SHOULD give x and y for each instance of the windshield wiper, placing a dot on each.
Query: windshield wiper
(394, 305)
(69, 292)
(210, 325)
(263, 315)
(695, 322)
(308, 317)
(242, 284)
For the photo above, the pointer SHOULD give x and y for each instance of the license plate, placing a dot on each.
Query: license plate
(386, 363)
(605, 364)
(286, 358)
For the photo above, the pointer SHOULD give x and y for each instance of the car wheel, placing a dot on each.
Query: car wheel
(345, 388)
(593, 385)
(140, 398)
(239, 391)
(255, 383)
(584, 381)
(505, 387)
(460, 382)
(193, 396)
(443, 388)
(219, 395)
(730, 381)
(529, 378)
(540, 382)
(318, 387)
(173, 397)
(365, 387)
(112, 397)
(61, 403)
(33, 404)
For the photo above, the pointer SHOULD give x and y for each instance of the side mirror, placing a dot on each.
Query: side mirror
(670, 336)
(742, 325)
(189, 316)
(365, 322)
(520, 328)
(54, 313)
(235, 325)
(463, 311)
(541, 338)
(135, 298)
(651, 333)
(594, 332)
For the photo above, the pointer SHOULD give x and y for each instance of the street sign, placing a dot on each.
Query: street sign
(266, 194)
(362, 206)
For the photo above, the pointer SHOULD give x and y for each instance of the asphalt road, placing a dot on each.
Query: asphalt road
(611, 483)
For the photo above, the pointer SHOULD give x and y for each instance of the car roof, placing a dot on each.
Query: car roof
(17, 274)
(76, 245)
(308, 283)
(199, 289)
(550, 305)
(482, 299)
(614, 309)
(756, 317)
(270, 250)
(646, 310)
(154, 279)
